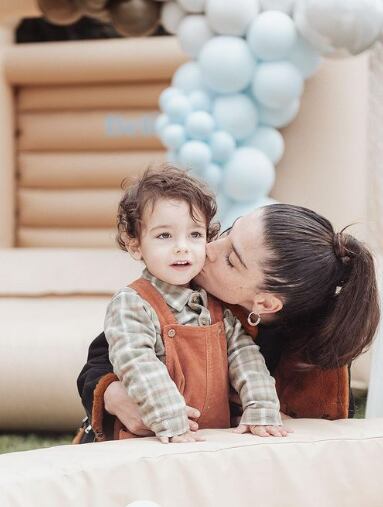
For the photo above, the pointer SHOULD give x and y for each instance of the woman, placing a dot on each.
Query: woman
(315, 293)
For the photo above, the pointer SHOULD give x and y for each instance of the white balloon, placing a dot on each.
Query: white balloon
(194, 6)
(193, 33)
(231, 17)
(341, 27)
(171, 16)
(278, 5)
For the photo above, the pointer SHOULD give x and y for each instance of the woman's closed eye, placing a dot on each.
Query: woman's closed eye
(228, 262)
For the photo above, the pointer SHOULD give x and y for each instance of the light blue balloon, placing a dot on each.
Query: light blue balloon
(213, 176)
(195, 155)
(269, 141)
(248, 175)
(305, 57)
(200, 101)
(178, 108)
(278, 117)
(173, 136)
(161, 122)
(235, 211)
(271, 35)
(222, 146)
(199, 125)
(223, 205)
(277, 84)
(172, 157)
(168, 94)
(188, 77)
(265, 201)
(236, 114)
(227, 64)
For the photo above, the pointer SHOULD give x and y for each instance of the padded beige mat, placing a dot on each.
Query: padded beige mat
(329, 464)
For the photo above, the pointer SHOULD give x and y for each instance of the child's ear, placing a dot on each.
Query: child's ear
(132, 245)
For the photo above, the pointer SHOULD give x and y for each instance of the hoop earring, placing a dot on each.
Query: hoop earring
(253, 322)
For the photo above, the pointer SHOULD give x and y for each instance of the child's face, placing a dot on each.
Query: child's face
(172, 244)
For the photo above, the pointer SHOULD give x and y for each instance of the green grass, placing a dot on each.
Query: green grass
(14, 442)
(360, 404)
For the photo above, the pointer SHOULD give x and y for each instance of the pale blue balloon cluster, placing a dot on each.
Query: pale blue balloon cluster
(220, 116)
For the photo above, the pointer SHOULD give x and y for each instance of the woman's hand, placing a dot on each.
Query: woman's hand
(263, 431)
(284, 417)
(119, 404)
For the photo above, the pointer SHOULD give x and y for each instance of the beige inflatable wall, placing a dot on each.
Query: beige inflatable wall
(82, 129)
(78, 141)
(76, 118)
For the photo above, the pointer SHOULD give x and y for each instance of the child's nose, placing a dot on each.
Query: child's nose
(181, 247)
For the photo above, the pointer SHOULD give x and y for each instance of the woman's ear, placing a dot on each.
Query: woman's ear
(132, 245)
(266, 305)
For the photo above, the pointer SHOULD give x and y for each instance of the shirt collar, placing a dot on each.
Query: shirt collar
(174, 295)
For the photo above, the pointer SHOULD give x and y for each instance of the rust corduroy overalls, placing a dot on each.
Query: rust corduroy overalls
(196, 358)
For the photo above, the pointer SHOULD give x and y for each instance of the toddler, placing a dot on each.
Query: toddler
(171, 344)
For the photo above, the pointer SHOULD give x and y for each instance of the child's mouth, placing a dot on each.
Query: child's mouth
(180, 265)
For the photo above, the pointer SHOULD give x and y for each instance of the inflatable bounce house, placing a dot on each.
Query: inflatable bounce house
(292, 87)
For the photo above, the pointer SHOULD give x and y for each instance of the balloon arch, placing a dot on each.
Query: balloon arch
(249, 62)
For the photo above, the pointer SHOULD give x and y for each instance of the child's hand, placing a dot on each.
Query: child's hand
(263, 431)
(189, 436)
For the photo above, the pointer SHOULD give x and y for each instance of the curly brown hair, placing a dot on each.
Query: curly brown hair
(169, 182)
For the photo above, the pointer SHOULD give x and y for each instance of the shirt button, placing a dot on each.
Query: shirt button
(171, 333)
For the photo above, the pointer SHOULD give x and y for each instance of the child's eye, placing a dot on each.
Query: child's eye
(196, 234)
(163, 235)
(227, 259)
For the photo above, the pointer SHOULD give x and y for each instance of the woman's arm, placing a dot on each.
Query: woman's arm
(111, 397)
(96, 367)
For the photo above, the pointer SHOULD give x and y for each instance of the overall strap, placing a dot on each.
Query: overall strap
(148, 292)
(215, 308)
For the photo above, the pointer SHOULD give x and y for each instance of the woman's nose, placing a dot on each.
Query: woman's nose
(211, 251)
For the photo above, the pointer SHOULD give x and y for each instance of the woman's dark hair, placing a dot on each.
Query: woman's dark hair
(327, 282)
(169, 182)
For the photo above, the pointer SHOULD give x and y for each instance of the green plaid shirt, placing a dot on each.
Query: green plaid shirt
(137, 353)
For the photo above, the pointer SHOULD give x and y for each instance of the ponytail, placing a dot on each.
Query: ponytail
(352, 316)
(327, 283)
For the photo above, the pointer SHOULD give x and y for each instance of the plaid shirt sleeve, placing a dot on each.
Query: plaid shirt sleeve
(131, 335)
(250, 377)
